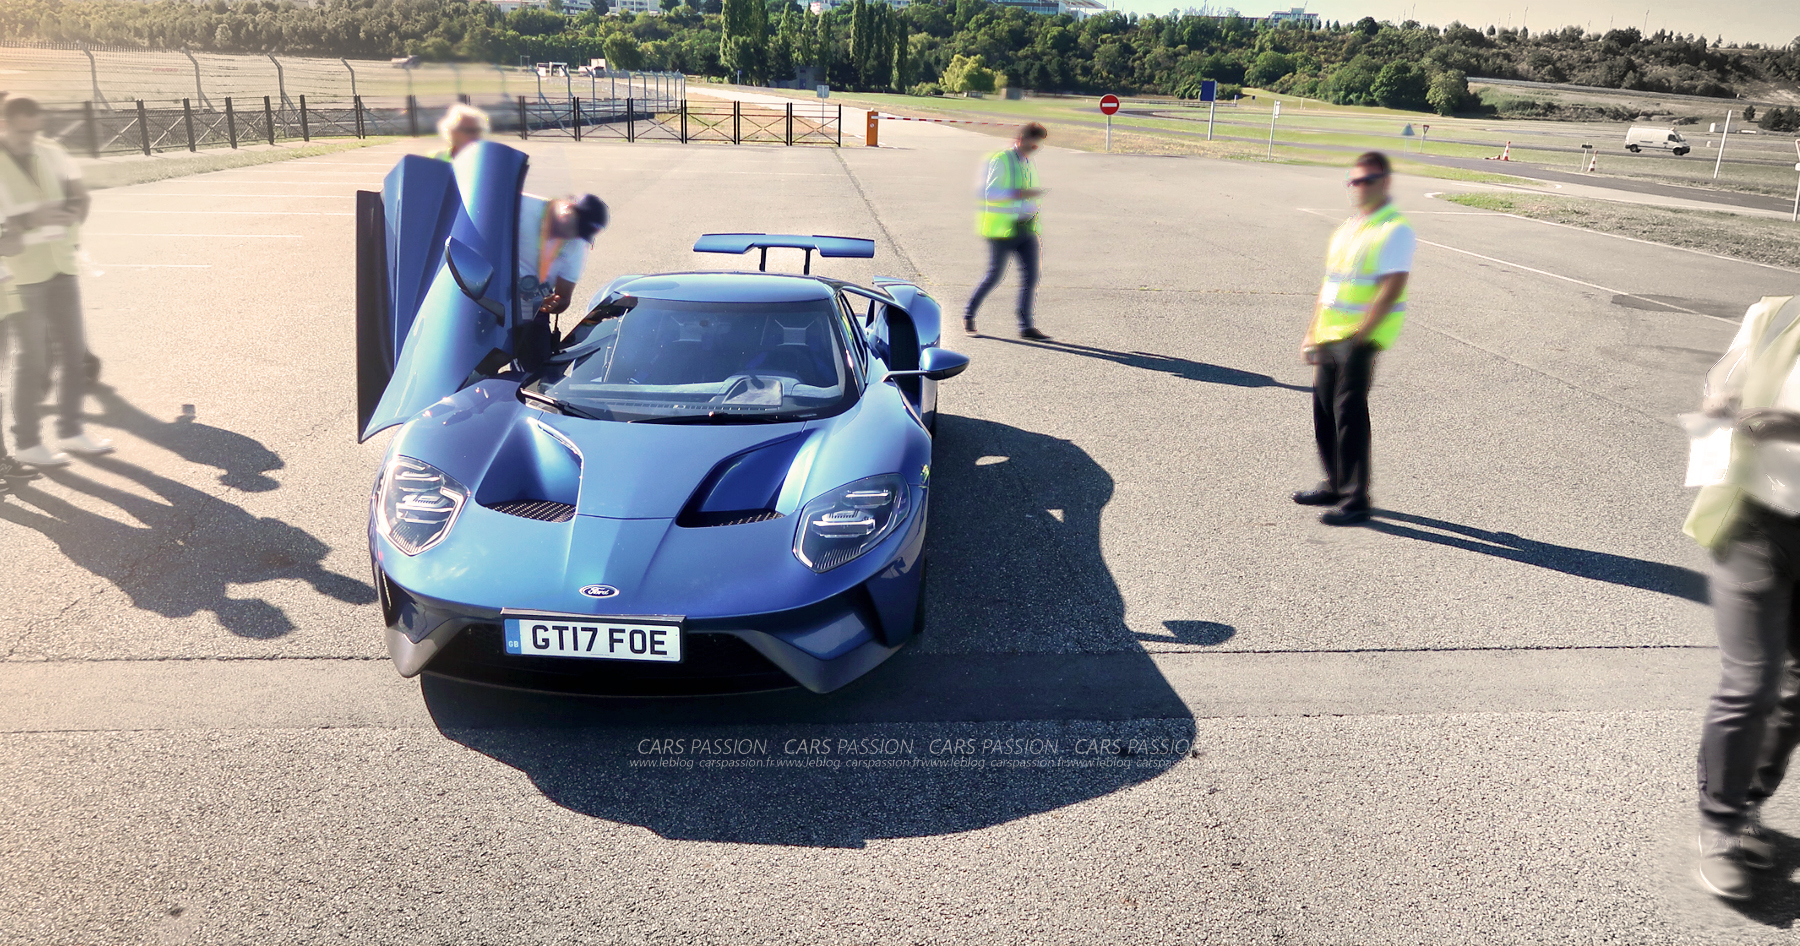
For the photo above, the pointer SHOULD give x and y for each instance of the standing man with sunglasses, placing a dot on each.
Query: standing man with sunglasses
(1361, 307)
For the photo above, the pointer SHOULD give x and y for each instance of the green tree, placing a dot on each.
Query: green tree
(623, 52)
(1400, 84)
(967, 74)
(1448, 92)
(744, 38)
(1268, 69)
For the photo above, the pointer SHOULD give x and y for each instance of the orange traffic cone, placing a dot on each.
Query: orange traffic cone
(1504, 155)
(1593, 161)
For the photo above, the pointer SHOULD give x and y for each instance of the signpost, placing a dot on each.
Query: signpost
(1109, 103)
(1797, 186)
(1209, 93)
(1272, 116)
(1721, 158)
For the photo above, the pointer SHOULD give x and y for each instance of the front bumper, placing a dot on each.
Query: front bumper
(821, 647)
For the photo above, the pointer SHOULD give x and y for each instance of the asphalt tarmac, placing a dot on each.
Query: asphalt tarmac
(1155, 701)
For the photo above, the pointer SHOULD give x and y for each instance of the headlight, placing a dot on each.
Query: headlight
(416, 504)
(841, 524)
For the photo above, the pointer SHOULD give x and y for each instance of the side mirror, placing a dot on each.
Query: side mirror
(471, 270)
(938, 364)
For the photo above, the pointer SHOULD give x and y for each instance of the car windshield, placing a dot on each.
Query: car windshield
(702, 362)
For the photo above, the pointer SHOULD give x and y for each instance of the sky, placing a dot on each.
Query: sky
(1770, 22)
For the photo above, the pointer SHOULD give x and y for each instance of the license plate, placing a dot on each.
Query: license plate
(593, 638)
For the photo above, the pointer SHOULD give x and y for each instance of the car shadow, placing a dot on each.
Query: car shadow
(1026, 692)
(1582, 563)
(1167, 364)
(186, 549)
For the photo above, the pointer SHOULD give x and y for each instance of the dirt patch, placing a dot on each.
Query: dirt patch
(1757, 239)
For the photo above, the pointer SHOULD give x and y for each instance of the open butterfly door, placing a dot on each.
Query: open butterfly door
(436, 272)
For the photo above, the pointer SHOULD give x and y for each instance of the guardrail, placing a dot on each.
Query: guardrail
(235, 122)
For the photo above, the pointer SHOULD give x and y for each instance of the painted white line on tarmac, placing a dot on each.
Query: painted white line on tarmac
(219, 236)
(1620, 236)
(153, 265)
(1541, 272)
(205, 194)
(246, 213)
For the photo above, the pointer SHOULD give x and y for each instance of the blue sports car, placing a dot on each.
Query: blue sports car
(706, 482)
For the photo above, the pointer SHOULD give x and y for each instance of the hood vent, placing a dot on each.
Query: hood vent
(543, 510)
(702, 520)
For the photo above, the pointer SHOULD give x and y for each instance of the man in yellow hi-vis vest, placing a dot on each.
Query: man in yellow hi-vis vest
(1746, 453)
(1361, 306)
(1009, 222)
(46, 201)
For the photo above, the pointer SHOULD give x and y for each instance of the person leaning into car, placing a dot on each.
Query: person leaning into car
(461, 126)
(554, 237)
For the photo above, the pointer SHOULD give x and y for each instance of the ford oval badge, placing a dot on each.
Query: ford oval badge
(599, 591)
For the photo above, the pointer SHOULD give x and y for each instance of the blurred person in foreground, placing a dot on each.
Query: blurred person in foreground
(461, 126)
(554, 238)
(11, 242)
(1009, 222)
(1361, 306)
(46, 203)
(1746, 455)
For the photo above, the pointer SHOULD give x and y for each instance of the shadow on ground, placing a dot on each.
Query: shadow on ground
(1582, 563)
(179, 550)
(242, 461)
(1025, 641)
(1179, 367)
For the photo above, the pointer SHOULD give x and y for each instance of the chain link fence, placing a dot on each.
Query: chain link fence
(102, 101)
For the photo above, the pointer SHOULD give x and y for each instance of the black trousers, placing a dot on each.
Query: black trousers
(1341, 419)
(1025, 247)
(1751, 724)
(52, 312)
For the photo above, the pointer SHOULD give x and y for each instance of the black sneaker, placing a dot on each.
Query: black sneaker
(1350, 516)
(1757, 847)
(1721, 866)
(12, 470)
(1317, 497)
(969, 327)
(1033, 334)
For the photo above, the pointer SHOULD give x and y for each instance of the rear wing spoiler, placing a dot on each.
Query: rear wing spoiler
(738, 244)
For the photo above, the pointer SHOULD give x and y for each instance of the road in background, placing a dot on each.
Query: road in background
(1474, 719)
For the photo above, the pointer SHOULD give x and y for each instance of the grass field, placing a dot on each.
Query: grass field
(1314, 132)
(1759, 239)
(122, 171)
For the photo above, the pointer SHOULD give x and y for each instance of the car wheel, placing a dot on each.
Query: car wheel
(1633, 149)
(1681, 152)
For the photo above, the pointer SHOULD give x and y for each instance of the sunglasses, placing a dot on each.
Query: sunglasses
(1363, 181)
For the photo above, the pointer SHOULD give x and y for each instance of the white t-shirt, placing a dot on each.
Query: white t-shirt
(1397, 253)
(536, 285)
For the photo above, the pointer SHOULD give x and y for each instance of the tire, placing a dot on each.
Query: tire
(1680, 151)
(1634, 149)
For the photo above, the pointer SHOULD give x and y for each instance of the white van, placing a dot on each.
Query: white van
(1661, 139)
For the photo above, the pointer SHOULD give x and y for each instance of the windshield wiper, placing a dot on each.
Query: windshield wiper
(555, 405)
(724, 417)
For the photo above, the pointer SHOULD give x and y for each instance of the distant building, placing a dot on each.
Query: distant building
(1294, 15)
(820, 6)
(635, 7)
(569, 7)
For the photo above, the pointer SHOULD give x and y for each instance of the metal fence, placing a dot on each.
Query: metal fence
(116, 79)
(686, 121)
(235, 121)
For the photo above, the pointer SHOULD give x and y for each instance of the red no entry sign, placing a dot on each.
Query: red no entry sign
(1109, 104)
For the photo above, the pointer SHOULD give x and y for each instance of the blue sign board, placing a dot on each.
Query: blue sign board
(1209, 90)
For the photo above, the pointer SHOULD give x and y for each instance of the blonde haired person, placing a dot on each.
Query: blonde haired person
(461, 126)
